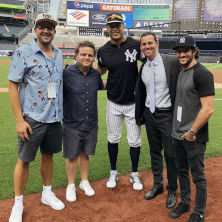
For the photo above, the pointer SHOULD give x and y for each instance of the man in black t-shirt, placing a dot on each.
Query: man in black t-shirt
(192, 110)
(119, 56)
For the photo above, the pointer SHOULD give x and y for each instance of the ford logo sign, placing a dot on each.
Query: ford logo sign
(99, 17)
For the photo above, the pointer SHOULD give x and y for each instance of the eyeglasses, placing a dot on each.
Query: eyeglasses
(114, 18)
(49, 27)
(114, 25)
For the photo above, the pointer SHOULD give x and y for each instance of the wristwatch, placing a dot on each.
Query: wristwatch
(192, 132)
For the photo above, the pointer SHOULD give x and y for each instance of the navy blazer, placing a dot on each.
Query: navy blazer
(172, 69)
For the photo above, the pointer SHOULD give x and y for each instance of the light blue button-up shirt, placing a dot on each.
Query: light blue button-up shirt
(34, 70)
(162, 95)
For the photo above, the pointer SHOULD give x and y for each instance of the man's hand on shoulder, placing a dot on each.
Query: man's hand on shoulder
(102, 70)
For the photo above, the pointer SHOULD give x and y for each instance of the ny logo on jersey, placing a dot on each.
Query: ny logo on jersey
(131, 56)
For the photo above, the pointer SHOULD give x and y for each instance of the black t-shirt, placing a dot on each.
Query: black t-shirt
(80, 98)
(122, 69)
(192, 84)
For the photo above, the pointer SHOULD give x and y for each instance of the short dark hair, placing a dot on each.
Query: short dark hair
(85, 44)
(149, 33)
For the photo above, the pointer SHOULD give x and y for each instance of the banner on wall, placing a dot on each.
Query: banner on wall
(152, 24)
(83, 6)
(77, 17)
(128, 19)
(151, 12)
(134, 2)
(98, 19)
(116, 8)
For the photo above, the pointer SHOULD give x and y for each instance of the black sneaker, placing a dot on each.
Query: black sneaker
(180, 209)
(195, 217)
(171, 199)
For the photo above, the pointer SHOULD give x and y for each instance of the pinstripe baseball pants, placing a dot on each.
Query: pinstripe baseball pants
(115, 115)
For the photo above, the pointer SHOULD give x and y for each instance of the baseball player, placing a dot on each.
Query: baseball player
(119, 56)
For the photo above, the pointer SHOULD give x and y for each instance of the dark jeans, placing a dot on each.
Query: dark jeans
(191, 155)
(158, 128)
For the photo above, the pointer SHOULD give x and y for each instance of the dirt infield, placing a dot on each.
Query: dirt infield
(5, 62)
(122, 204)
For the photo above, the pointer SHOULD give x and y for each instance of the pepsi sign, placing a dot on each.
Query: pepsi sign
(82, 6)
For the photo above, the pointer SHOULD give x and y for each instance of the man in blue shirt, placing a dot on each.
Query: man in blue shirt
(35, 90)
(81, 83)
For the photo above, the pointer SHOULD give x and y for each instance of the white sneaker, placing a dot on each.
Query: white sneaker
(135, 180)
(71, 193)
(113, 178)
(49, 198)
(16, 214)
(84, 185)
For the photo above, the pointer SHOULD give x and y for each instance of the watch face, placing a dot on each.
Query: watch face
(192, 133)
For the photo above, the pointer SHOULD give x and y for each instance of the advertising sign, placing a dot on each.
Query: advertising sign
(213, 11)
(151, 12)
(151, 25)
(77, 17)
(116, 8)
(134, 2)
(82, 6)
(98, 19)
(90, 31)
(128, 19)
(186, 9)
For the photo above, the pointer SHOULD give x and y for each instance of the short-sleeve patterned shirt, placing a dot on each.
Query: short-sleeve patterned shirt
(34, 70)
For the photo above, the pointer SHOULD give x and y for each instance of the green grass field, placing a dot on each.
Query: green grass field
(99, 165)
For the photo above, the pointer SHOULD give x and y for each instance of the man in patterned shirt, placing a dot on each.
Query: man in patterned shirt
(35, 90)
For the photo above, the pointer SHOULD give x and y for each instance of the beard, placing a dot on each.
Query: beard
(190, 59)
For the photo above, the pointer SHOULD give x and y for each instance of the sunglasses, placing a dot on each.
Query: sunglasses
(49, 27)
(114, 18)
(114, 25)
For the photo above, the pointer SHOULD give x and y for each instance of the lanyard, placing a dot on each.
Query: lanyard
(47, 67)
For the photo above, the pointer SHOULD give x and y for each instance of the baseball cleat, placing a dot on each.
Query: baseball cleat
(113, 178)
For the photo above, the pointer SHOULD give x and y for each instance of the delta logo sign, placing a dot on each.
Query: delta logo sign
(82, 6)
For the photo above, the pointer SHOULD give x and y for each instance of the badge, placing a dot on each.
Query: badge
(51, 90)
(179, 113)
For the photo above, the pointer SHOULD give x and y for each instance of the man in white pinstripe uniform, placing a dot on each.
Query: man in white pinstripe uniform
(119, 56)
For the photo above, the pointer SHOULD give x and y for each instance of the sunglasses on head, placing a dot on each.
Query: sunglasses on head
(49, 27)
(114, 18)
